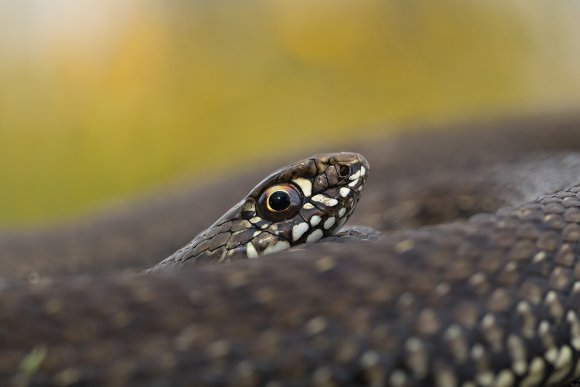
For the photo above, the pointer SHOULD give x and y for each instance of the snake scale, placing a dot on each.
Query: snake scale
(474, 282)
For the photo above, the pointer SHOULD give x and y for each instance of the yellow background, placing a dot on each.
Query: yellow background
(101, 100)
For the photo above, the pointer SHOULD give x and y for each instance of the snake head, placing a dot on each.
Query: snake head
(300, 203)
(303, 202)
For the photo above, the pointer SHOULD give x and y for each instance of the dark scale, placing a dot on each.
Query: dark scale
(279, 201)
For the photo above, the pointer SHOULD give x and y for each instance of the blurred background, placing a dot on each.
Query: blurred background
(104, 100)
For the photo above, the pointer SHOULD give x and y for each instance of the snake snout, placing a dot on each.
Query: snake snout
(363, 161)
(354, 161)
(352, 170)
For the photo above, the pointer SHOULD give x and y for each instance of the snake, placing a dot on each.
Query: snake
(474, 279)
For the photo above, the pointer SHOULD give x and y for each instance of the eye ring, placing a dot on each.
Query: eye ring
(279, 202)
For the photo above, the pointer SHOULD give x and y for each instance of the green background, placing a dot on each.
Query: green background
(104, 100)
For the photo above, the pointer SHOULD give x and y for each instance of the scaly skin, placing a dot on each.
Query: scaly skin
(493, 300)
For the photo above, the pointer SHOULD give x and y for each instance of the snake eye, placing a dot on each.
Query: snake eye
(344, 170)
(279, 202)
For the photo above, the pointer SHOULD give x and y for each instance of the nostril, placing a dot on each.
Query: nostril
(344, 170)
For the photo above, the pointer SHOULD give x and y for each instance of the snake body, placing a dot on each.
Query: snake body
(458, 292)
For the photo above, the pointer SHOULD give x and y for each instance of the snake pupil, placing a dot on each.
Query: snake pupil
(279, 201)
